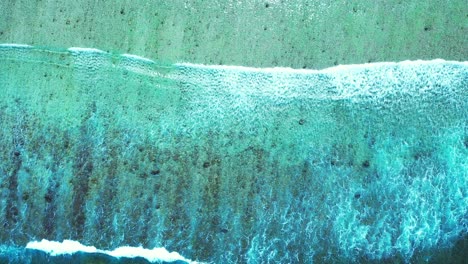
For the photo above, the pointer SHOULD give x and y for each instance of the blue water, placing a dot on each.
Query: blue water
(355, 163)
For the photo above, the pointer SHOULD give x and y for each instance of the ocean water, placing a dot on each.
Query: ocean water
(351, 164)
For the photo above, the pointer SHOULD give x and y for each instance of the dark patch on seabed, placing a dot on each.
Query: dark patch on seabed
(83, 170)
(12, 168)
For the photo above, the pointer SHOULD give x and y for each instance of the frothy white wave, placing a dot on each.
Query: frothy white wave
(136, 57)
(14, 45)
(68, 247)
(233, 68)
(90, 50)
(338, 68)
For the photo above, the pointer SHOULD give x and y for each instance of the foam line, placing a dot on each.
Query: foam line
(68, 247)
(282, 70)
(90, 50)
(332, 69)
(13, 45)
(138, 58)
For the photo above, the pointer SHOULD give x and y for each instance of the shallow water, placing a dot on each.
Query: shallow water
(353, 163)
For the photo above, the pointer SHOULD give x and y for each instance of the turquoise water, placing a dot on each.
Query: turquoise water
(355, 163)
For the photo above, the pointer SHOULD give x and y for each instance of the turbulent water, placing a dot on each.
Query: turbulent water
(355, 163)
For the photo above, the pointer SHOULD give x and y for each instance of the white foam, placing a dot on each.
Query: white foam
(90, 50)
(136, 57)
(68, 247)
(56, 248)
(13, 45)
(338, 68)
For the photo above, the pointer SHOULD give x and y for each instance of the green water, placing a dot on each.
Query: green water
(258, 33)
